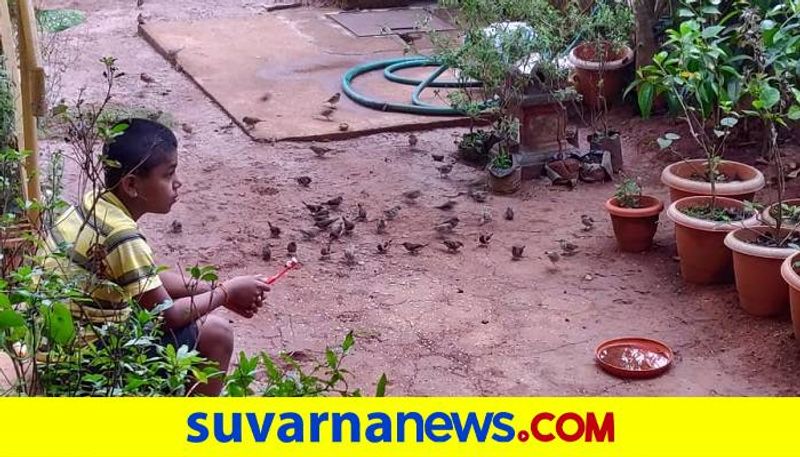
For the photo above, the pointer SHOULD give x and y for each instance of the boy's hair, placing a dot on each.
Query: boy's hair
(142, 146)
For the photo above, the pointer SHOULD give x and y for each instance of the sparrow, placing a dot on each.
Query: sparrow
(568, 249)
(453, 221)
(553, 256)
(479, 196)
(309, 234)
(484, 239)
(334, 99)
(350, 256)
(412, 141)
(147, 78)
(313, 208)
(320, 151)
(187, 128)
(266, 253)
(251, 122)
(291, 248)
(274, 230)
(452, 245)
(381, 227)
(327, 112)
(509, 214)
(348, 225)
(326, 222)
(444, 170)
(587, 222)
(321, 215)
(391, 213)
(335, 202)
(516, 251)
(412, 195)
(362, 213)
(336, 231)
(383, 248)
(176, 226)
(304, 181)
(446, 206)
(437, 157)
(325, 252)
(486, 215)
(413, 248)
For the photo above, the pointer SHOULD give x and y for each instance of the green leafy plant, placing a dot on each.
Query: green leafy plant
(628, 193)
(58, 20)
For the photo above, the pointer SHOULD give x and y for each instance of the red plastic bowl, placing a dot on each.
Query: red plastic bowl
(634, 358)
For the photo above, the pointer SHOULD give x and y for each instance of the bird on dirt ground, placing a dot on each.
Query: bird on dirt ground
(321, 215)
(348, 226)
(335, 201)
(553, 256)
(350, 256)
(509, 214)
(412, 195)
(391, 213)
(412, 141)
(325, 252)
(486, 215)
(336, 231)
(413, 248)
(484, 239)
(568, 249)
(313, 208)
(147, 78)
(344, 126)
(251, 122)
(187, 128)
(325, 222)
(291, 248)
(381, 228)
(320, 151)
(445, 170)
(516, 251)
(446, 206)
(452, 245)
(437, 157)
(274, 230)
(304, 181)
(479, 196)
(587, 222)
(362, 213)
(140, 19)
(266, 253)
(334, 100)
(176, 226)
(383, 248)
(308, 234)
(327, 113)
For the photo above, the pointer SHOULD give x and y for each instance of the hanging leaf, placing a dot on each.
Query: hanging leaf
(58, 20)
(60, 327)
(794, 112)
(380, 390)
(4, 301)
(645, 99)
(10, 319)
(770, 96)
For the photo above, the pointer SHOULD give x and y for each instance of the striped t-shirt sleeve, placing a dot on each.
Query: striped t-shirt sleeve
(130, 263)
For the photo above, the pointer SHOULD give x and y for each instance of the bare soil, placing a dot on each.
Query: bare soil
(472, 323)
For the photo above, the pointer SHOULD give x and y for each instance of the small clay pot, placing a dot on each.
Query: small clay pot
(704, 258)
(634, 228)
(792, 278)
(746, 180)
(762, 290)
(589, 70)
(610, 142)
(506, 181)
(766, 215)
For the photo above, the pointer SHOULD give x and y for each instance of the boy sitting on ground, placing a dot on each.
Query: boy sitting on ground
(104, 243)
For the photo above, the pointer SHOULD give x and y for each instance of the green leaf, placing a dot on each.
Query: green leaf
(58, 20)
(4, 301)
(684, 12)
(710, 9)
(10, 319)
(330, 356)
(645, 99)
(770, 96)
(349, 340)
(60, 325)
(768, 24)
(380, 390)
(672, 136)
(728, 122)
(794, 112)
(710, 32)
(663, 143)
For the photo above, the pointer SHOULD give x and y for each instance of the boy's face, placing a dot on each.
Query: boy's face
(158, 189)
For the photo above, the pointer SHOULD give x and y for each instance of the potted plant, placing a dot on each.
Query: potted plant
(790, 271)
(634, 216)
(770, 38)
(505, 173)
(701, 77)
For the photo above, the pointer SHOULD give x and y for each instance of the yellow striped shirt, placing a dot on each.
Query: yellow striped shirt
(106, 251)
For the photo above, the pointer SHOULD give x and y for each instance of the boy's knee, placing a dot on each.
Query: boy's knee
(219, 332)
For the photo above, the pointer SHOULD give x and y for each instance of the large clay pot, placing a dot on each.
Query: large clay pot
(677, 177)
(762, 290)
(589, 70)
(704, 258)
(789, 274)
(766, 215)
(634, 228)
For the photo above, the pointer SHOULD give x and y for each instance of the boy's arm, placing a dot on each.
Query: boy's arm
(177, 286)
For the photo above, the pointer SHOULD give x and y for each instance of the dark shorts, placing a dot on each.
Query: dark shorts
(184, 336)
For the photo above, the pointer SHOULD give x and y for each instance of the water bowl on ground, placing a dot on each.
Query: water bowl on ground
(634, 358)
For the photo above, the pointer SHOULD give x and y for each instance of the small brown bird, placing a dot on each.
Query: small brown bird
(335, 231)
(274, 230)
(326, 222)
(251, 122)
(484, 239)
(413, 248)
(412, 141)
(383, 248)
(176, 227)
(344, 126)
(304, 181)
(381, 227)
(479, 196)
(309, 234)
(486, 215)
(147, 78)
(320, 151)
(265, 97)
(509, 214)
(266, 253)
(350, 256)
(313, 208)
(327, 113)
(335, 202)
(187, 128)
(348, 226)
(453, 221)
(452, 245)
(291, 248)
(140, 19)
(321, 215)
(516, 251)
(553, 256)
(325, 252)
(334, 99)
(568, 249)
(445, 170)
(391, 213)
(446, 206)
(437, 157)
(587, 222)
(362, 213)
(412, 195)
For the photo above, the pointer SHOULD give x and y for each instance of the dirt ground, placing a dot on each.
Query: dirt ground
(472, 323)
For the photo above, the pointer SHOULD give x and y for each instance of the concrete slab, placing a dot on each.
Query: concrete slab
(295, 60)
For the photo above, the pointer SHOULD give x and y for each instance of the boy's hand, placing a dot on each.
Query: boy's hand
(245, 294)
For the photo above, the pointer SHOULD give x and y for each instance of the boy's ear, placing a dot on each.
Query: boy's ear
(128, 186)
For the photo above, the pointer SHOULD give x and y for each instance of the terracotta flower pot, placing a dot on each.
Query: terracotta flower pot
(704, 258)
(634, 228)
(762, 291)
(508, 180)
(766, 215)
(790, 275)
(678, 177)
(589, 71)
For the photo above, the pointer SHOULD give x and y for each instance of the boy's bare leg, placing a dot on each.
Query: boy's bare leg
(215, 342)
